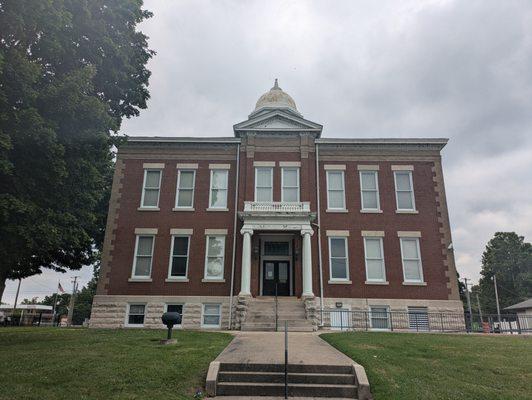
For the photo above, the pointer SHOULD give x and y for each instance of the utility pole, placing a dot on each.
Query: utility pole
(479, 309)
(468, 304)
(497, 298)
(16, 296)
(72, 299)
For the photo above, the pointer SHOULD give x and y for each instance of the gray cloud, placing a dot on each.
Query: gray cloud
(457, 69)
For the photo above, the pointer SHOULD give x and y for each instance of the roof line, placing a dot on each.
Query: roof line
(440, 141)
(162, 139)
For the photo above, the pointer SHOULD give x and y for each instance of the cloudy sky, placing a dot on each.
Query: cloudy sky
(455, 69)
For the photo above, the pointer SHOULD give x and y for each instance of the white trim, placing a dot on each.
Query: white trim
(133, 276)
(421, 281)
(207, 238)
(203, 325)
(409, 234)
(412, 195)
(372, 233)
(153, 165)
(376, 190)
(334, 167)
(264, 187)
(177, 189)
(337, 233)
(186, 166)
(224, 207)
(146, 231)
(346, 247)
(171, 258)
(218, 232)
(179, 231)
(402, 167)
(126, 321)
(383, 263)
(295, 164)
(264, 163)
(329, 208)
(362, 167)
(177, 326)
(217, 209)
(158, 188)
(283, 169)
(219, 166)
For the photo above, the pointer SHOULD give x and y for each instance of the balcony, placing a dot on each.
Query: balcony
(276, 207)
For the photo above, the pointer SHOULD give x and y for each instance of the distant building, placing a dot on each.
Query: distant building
(205, 225)
(522, 309)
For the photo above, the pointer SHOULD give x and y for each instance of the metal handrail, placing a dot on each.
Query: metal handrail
(286, 359)
(276, 309)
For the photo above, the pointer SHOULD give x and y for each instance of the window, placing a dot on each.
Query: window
(338, 260)
(418, 318)
(185, 189)
(179, 257)
(178, 308)
(263, 184)
(404, 191)
(143, 256)
(211, 316)
(290, 184)
(151, 188)
(135, 314)
(276, 248)
(369, 190)
(379, 317)
(412, 269)
(335, 190)
(373, 249)
(214, 268)
(218, 195)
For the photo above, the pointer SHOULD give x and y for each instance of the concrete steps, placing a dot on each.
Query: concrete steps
(260, 315)
(328, 381)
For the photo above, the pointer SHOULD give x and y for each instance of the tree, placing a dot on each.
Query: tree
(70, 71)
(508, 257)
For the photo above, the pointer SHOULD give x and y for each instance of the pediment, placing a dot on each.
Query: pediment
(277, 121)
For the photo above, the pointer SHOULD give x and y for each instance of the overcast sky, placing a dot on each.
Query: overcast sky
(455, 69)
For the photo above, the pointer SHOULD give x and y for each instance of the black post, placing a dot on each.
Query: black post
(286, 359)
(169, 332)
(518, 324)
(391, 321)
(441, 318)
(276, 310)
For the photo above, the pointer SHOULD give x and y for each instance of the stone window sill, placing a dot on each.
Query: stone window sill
(406, 211)
(217, 209)
(148, 209)
(183, 209)
(339, 282)
(205, 280)
(139, 280)
(176, 280)
(340, 210)
(371, 211)
(377, 283)
(414, 283)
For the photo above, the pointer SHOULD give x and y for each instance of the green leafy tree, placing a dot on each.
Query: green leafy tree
(70, 71)
(508, 257)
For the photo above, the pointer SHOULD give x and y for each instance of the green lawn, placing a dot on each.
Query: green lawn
(430, 366)
(61, 363)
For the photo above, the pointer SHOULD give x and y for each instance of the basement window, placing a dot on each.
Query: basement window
(211, 316)
(135, 314)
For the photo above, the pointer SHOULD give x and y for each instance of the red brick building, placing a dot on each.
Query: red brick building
(205, 225)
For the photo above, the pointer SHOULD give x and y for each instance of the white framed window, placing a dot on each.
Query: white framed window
(379, 317)
(211, 316)
(404, 191)
(143, 256)
(175, 307)
(410, 254)
(369, 191)
(335, 190)
(185, 188)
(290, 184)
(135, 314)
(151, 188)
(374, 255)
(179, 257)
(214, 257)
(263, 184)
(418, 318)
(338, 259)
(218, 191)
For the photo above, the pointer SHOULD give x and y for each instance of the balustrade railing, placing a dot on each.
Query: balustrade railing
(276, 206)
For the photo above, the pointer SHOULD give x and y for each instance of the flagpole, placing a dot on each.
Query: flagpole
(55, 302)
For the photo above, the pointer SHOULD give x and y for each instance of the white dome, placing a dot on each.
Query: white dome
(276, 98)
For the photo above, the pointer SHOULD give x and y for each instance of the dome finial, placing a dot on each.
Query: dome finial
(275, 85)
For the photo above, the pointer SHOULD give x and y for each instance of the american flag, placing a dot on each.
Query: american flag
(60, 288)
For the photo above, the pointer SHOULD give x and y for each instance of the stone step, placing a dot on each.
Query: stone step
(280, 317)
(277, 389)
(293, 377)
(268, 327)
(292, 368)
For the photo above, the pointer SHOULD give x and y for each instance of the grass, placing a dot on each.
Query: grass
(437, 367)
(61, 363)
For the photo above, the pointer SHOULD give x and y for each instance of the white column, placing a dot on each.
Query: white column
(246, 263)
(307, 263)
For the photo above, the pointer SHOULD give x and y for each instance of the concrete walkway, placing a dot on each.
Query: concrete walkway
(268, 348)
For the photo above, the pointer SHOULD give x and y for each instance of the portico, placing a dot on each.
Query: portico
(289, 217)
